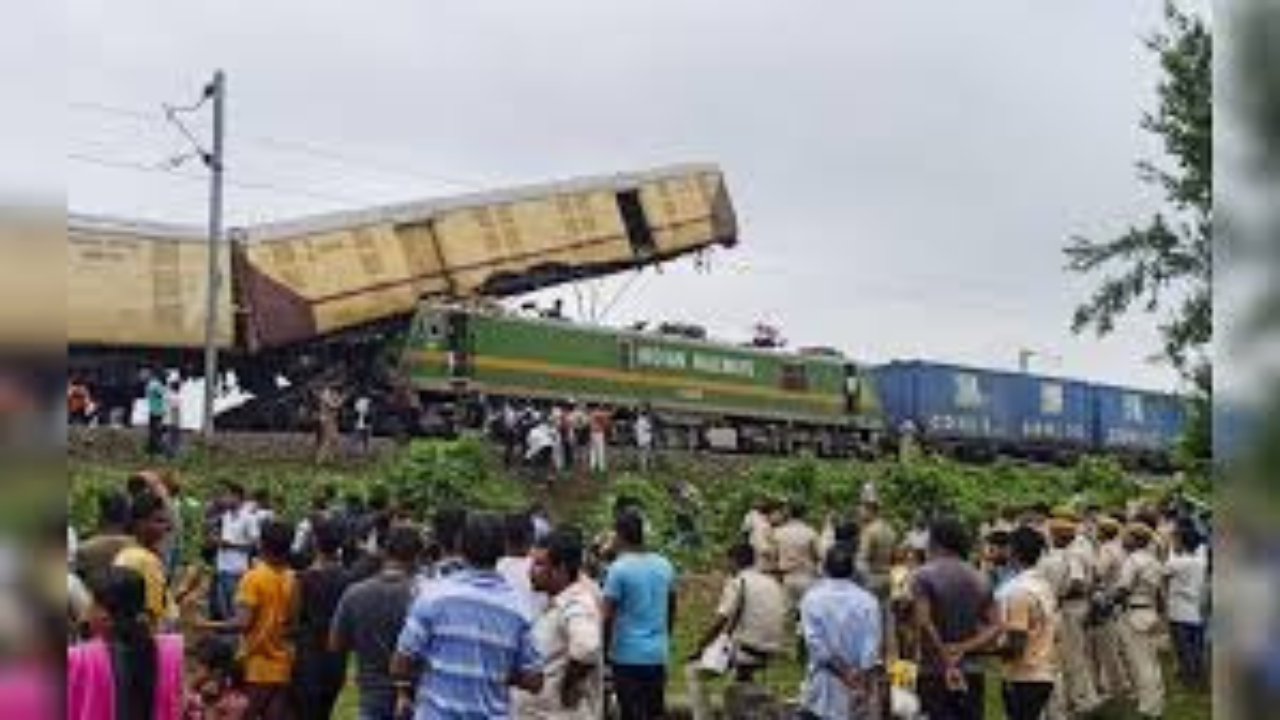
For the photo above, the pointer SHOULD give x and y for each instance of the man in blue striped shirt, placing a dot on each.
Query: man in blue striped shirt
(467, 638)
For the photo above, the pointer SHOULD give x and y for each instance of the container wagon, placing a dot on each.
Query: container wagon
(980, 412)
(1139, 424)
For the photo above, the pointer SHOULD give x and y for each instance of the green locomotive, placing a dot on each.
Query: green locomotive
(704, 394)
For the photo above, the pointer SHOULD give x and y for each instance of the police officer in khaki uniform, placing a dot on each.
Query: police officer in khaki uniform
(1138, 592)
(876, 544)
(797, 546)
(1113, 682)
(757, 530)
(1069, 570)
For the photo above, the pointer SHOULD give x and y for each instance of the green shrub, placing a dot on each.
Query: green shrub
(432, 474)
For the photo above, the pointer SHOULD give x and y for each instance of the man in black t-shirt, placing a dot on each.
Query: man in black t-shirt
(369, 618)
(955, 615)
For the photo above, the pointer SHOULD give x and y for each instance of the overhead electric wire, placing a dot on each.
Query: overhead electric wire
(604, 314)
(297, 147)
(161, 169)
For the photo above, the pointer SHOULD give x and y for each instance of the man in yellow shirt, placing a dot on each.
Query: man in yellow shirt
(149, 525)
(266, 604)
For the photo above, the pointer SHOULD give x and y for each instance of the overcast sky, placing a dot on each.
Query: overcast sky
(905, 172)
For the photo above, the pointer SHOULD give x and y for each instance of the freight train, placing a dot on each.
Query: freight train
(729, 397)
(307, 296)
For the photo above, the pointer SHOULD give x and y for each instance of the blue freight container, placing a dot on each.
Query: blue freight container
(1126, 419)
(1051, 411)
(949, 402)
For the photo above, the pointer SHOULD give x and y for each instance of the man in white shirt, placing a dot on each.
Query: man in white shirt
(568, 635)
(363, 408)
(1187, 572)
(541, 444)
(173, 416)
(515, 565)
(236, 539)
(644, 440)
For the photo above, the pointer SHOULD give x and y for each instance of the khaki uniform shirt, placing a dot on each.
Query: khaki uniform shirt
(1142, 575)
(797, 548)
(759, 533)
(875, 547)
(1056, 571)
(1110, 557)
(1082, 558)
(759, 604)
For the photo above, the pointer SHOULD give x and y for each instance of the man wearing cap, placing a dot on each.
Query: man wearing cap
(1112, 680)
(876, 544)
(1137, 591)
(1085, 549)
(1070, 575)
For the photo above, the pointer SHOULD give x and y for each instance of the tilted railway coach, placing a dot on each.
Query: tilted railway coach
(327, 290)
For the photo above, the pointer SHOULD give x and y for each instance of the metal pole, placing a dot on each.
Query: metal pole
(218, 89)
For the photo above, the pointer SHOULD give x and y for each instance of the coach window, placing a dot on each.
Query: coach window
(794, 378)
(639, 233)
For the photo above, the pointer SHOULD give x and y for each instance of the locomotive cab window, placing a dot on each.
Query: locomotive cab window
(431, 328)
(794, 378)
(639, 234)
(852, 390)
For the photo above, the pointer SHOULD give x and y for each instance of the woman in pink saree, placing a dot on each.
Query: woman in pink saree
(125, 673)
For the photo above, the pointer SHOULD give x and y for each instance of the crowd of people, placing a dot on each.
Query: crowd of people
(569, 437)
(479, 615)
(1069, 608)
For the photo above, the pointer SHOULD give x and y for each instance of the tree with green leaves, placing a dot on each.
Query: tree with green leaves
(1165, 264)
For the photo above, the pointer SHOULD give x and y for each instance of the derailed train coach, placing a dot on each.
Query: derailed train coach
(705, 394)
(981, 412)
(323, 275)
(321, 291)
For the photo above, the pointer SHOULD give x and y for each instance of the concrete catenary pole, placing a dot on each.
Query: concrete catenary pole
(218, 90)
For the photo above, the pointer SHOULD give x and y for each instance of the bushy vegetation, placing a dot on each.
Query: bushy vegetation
(694, 505)
(723, 491)
(459, 473)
